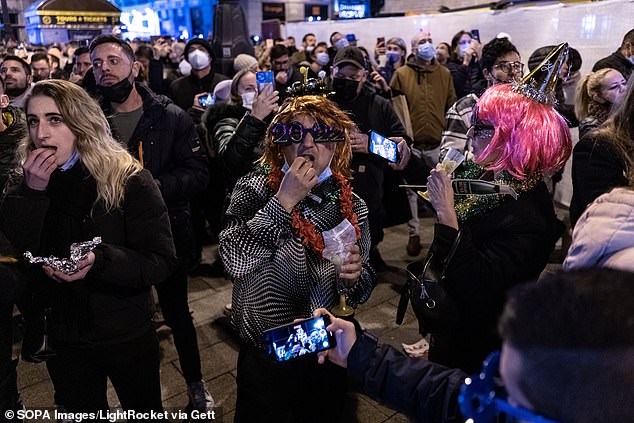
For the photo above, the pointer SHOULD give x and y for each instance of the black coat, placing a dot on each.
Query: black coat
(615, 61)
(424, 390)
(597, 167)
(171, 148)
(499, 249)
(112, 304)
(184, 89)
(467, 79)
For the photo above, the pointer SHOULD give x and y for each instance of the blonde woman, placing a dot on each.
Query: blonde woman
(75, 183)
(596, 93)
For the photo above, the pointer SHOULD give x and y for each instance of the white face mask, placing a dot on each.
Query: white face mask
(426, 51)
(185, 68)
(341, 43)
(327, 173)
(198, 59)
(322, 59)
(309, 49)
(247, 99)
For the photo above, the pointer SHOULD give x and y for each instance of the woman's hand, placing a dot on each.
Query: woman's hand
(265, 103)
(379, 82)
(299, 179)
(350, 271)
(441, 195)
(38, 167)
(83, 267)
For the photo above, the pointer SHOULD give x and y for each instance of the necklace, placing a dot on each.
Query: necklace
(304, 228)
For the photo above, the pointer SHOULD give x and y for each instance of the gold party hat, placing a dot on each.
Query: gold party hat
(539, 84)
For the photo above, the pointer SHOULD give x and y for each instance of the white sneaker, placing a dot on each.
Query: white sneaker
(199, 396)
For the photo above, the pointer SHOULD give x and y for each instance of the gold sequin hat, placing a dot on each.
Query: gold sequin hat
(540, 83)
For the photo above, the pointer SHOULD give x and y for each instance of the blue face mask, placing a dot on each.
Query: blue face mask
(482, 398)
(426, 51)
(327, 173)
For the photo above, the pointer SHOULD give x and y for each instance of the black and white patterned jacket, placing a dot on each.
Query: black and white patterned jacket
(276, 279)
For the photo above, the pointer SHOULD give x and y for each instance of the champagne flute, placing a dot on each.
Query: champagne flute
(342, 309)
(449, 164)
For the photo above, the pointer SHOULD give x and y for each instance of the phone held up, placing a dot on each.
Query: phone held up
(299, 339)
(207, 100)
(475, 34)
(383, 147)
(265, 78)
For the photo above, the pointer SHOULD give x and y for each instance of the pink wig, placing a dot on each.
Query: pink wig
(530, 137)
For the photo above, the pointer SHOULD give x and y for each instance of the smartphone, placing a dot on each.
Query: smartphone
(298, 339)
(207, 100)
(475, 34)
(383, 147)
(265, 78)
(380, 40)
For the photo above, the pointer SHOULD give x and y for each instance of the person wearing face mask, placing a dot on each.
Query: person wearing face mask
(622, 59)
(337, 41)
(463, 63)
(395, 51)
(309, 42)
(163, 138)
(429, 91)
(318, 60)
(273, 248)
(369, 111)
(501, 63)
(235, 130)
(202, 78)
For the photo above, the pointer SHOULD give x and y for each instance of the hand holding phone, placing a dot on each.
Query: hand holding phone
(206, 100)
(299, 339)
(383, 147)
(475, 34)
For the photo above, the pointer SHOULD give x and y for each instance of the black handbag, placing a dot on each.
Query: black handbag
(435, 310)
(36, 345)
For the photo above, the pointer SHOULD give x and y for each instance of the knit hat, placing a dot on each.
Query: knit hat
(244, 61)
(222, 91)
(201, 42)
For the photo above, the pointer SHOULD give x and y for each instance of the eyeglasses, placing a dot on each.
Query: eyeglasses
(296, 132)
(506, 67)
(483, 397)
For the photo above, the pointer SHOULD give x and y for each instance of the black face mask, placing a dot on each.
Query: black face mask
(117, 93)
(345, 89)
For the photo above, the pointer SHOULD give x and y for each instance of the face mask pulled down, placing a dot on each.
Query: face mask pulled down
(117, 93)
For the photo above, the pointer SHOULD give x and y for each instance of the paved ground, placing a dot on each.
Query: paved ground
(219, 349)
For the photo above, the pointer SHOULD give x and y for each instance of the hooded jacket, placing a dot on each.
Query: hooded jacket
(430, 93)
(604, 234)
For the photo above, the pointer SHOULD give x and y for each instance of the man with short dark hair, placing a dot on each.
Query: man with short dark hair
(17, 77)
(500, 63)
(81, 64)
(163, 138)
(285, 72)
(309, 41)
(202, 78)
(567, 355)
(40, 67)
(622, 60)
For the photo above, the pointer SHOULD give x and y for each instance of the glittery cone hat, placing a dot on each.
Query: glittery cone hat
(539, 84)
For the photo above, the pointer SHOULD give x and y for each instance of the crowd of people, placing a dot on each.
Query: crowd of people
(148, 146)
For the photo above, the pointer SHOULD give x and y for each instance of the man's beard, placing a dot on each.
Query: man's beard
(15, 92)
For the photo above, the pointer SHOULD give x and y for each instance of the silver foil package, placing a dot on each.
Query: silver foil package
(78, 251)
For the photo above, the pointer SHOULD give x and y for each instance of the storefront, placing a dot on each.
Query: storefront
(60, 21)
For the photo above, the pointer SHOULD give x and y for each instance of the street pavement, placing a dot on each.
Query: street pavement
(219, 345)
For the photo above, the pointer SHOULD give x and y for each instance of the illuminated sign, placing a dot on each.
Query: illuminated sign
(273, 11)
(352, 9)
(71, 19)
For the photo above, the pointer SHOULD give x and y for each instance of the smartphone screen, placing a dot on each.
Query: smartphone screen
(207, 100)
(380, 40)
(299, 339)
(475, 34)
(383, 147)
(265, 78)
